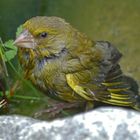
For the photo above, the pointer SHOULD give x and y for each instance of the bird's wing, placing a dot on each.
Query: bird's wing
(104, 81)
(118, 88)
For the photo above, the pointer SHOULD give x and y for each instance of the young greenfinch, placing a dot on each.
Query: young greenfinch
(68, 66)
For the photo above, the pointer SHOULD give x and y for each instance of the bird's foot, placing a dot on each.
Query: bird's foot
(56, 109)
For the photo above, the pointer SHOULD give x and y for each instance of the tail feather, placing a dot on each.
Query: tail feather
(123, 90)
(135, 89)
(136, 104)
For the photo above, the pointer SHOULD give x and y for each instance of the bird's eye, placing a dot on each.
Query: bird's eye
(43, 35)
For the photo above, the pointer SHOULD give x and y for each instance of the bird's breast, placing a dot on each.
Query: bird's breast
(49, 73)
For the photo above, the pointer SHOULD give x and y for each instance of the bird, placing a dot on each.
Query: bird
(68, 66)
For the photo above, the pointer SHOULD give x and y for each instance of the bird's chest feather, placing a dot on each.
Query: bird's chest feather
(43, 72)
(47, 74)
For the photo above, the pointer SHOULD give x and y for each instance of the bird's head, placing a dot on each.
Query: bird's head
(46, 35)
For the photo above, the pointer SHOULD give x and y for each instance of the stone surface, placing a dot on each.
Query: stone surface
(100, 124)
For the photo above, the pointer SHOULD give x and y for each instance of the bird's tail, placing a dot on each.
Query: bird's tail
(124, 90)
(135, 89)
(137, 103)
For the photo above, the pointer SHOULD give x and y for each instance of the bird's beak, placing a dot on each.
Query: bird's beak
(25, 40)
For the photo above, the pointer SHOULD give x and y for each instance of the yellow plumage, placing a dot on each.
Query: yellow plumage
(65, 64)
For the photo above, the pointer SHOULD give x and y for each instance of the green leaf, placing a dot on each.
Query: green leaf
(10, 44)
(10, 54)
(19, 30)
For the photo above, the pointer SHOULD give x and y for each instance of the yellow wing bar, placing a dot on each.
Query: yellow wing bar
(78, 89)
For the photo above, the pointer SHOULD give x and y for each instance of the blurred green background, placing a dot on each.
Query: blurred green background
(116, 21)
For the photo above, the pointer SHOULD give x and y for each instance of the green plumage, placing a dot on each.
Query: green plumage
(69, 66)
